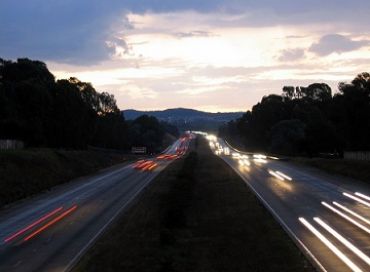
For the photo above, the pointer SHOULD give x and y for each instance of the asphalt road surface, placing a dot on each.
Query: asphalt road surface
(322, 213)
(52, 231)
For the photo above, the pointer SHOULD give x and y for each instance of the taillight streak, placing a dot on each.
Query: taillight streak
(56, 219)
(32, 225)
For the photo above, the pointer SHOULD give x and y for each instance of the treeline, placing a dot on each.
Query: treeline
(67, 113)
(307, 120)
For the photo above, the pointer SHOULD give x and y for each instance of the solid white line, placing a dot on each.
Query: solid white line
(282, 223)
(332, 247)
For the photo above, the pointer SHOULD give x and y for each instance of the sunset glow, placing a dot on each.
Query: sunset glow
(223, 58)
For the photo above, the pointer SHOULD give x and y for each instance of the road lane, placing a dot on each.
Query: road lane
(89, 205)
(302, 196)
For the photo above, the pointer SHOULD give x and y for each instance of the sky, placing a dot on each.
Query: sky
(213, 55)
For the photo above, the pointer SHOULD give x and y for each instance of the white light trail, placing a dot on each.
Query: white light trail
(343, 240)
(259, 156)
(357, 199)
(352, 212)
(346, 217)
(283, 175)
(362, 195)
(332, 247)
(276, 175)
(260, 160)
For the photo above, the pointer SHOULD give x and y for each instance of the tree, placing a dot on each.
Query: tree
(351, 112)
(107, 104)
(331, 124)
(287, 137)
(146, 131)
(288, 91)
(67, 113)
(317, 91)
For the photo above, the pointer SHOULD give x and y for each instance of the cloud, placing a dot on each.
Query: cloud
(79, 32)
(138, 93)
(291, 54)
(83, 32)
(190, 34)
(336, 43)
(295, 36)
(166, 53)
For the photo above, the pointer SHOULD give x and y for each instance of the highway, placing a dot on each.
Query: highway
(52, 231)
(327, 216)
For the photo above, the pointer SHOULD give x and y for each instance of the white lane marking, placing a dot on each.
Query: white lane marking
(352, 212)
(346, 217)
(343, 240)
(332, 247)
(282, 223)
(357, 199)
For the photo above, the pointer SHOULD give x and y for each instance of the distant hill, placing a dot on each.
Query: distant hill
(187, 119)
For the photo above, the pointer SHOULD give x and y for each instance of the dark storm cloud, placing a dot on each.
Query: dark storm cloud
(76, 31)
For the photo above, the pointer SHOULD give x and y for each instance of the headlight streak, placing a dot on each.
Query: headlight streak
(283, 175)
(244, 162)
(276, 175)
(362, 195)
(346, 217)
(257, 160)
(357, 199)
(351, 212)
(259, 156)
(343, 240)
(332, 247)
(235, 155)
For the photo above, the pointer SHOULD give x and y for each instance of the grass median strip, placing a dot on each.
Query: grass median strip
(198, 215)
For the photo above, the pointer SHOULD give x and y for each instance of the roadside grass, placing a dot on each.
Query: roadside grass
(197, 215)
(27, 172)
(351, 168)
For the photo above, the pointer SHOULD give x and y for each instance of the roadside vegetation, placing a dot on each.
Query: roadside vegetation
(307, 121)
(197, 215)
(68, 113)
(27, 172)
(58, 120)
